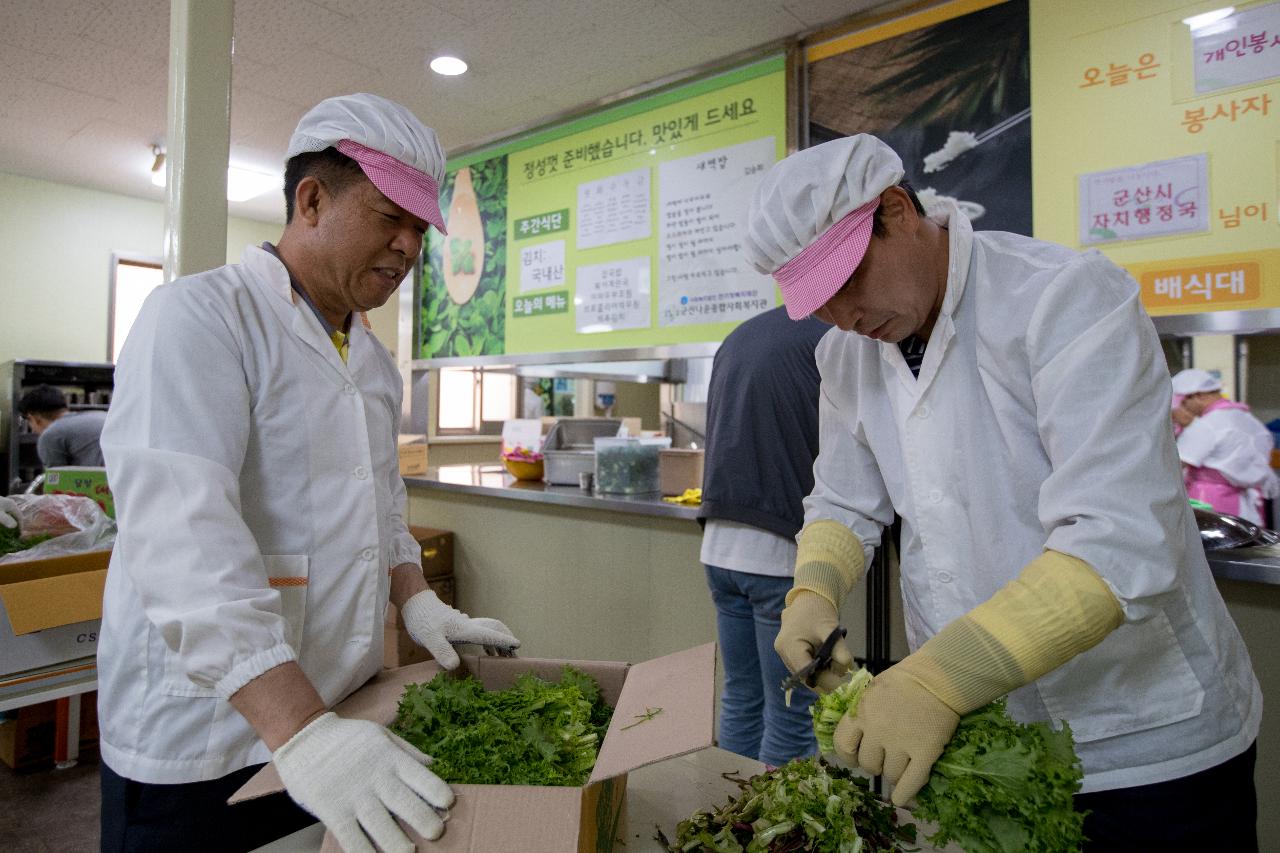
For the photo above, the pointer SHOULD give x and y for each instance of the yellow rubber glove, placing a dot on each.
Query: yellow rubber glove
(1055, 609)
(829, 562)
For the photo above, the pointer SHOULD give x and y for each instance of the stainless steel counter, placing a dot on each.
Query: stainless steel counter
(1259, 565)
(494, 481)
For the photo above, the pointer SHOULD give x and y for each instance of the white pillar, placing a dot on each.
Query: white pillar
(199, 136)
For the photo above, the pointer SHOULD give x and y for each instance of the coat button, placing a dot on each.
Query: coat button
(922, 412)
(361, 473)
(935, 496)
(349, 389)
(368, 554)
(946, 577)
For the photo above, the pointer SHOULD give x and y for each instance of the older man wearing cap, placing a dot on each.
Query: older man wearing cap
(251, 447)
(1226, 451)
(1008, 399)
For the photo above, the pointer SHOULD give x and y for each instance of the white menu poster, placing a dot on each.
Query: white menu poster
(703, 201)
(614, 210)
(1151, 200)
(541, 266)
(612, 296)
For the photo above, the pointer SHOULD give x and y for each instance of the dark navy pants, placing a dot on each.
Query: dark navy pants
(1215, 809)
(139, 817)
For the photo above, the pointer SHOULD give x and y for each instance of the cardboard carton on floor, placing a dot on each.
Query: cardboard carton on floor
(555, 819)
(51, 609)
(437, 550)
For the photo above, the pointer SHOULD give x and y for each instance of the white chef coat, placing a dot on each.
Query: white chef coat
(1041, 420)
(260, 508)
(1234, 443)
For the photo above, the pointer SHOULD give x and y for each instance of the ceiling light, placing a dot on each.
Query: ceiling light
(157, 165)
(242, 184)
(449, 66)
(1199, 22)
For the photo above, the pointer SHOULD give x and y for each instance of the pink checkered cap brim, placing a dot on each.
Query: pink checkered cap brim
(812, 277)
(415, 191)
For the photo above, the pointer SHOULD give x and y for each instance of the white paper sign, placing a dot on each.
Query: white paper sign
(703, 202)
(612, 296)
(541, 266)
(1240, 49)
(614, 210)
(1152, 200)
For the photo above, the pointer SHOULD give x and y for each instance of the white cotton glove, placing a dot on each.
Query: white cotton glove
(8, 512)
(354, 775)
(435, 626)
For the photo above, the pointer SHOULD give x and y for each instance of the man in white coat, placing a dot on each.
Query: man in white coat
(1008, 399)
(251, 446)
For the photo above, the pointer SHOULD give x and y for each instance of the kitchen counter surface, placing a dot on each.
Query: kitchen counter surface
(494, 481)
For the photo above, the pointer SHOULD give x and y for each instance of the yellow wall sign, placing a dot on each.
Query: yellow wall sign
(621, 230)
(1137, 97)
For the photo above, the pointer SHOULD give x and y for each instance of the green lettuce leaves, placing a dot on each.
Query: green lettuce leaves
(535, 733)
(805, 805)
(999, 786)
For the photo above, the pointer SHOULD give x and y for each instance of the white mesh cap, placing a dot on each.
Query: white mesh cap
(1195, 381)
(810, 191)
(375, 123)
(398, 153)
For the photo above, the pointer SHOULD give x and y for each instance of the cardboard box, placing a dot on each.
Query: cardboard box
(52, 609)
(679, 469)
(413, 455)
(27, 738)
(90, 482)
(400, 649)
(555, 819)
(437, 550)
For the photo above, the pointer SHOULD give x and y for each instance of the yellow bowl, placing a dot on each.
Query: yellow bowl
(522, 470)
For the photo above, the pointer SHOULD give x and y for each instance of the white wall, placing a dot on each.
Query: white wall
(56, 243)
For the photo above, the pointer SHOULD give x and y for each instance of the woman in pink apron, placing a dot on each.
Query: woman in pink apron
(1225, 450)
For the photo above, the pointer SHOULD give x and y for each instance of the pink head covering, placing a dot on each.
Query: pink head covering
(398, 153)
(812, 277)
(811, 217)
(415, 191)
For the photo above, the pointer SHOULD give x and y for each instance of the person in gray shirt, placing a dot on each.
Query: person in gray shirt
(66, 437)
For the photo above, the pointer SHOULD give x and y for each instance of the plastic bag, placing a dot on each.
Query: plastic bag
(76, 524)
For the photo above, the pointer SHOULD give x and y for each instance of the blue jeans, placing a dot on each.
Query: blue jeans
(754, 721)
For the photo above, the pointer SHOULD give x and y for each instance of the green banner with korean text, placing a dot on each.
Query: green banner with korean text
(620, 229)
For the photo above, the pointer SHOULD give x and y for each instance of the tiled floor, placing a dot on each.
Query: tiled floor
(50, 811)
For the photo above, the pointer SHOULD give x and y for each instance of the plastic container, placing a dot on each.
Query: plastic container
(628, 466)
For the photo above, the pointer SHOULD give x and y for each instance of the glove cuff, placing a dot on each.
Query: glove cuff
(424, 609)
(1056, 609)
(829, 561)
(320, 730)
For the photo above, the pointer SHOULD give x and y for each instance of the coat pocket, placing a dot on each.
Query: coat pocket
(1138, 678)
(288, 575)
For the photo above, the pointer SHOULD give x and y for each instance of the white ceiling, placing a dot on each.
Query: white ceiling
(83, 82)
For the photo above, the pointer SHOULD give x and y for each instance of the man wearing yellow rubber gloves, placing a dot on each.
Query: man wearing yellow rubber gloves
(1008, 398)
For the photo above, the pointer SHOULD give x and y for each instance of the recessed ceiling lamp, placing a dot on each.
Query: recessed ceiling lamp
(1199, 22)
(449, 66)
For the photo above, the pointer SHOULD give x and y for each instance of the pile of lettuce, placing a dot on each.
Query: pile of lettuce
(805, 805)
(999, 786)
(11, 540)
(535, 733)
